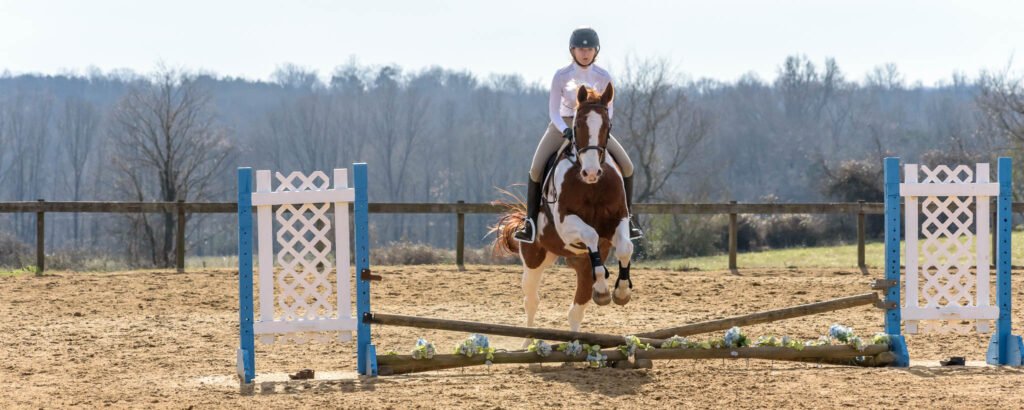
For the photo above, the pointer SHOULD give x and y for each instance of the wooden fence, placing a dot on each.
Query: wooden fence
(459, 209)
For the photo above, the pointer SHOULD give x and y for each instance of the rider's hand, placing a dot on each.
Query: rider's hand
(568, 133)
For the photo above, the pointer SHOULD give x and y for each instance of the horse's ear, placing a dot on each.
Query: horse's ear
(581, 95)
(608, 95)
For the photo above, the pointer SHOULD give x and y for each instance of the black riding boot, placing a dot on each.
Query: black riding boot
(528, 232)
(634, 229)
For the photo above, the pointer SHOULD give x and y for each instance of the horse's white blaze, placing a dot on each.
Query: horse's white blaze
(591, 160)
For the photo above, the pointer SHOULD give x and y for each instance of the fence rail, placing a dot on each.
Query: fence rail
(459, 209)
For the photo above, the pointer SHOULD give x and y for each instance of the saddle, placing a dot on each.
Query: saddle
(547, 189)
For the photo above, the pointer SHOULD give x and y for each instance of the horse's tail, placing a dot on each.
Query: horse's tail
(507, 225)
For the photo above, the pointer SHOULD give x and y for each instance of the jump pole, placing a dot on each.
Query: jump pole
(499, 330)
(877, 355)
(764, 317)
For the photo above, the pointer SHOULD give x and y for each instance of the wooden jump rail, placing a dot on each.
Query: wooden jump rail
(876, 355)
(181, 209)
(765, 317)
(499, 330)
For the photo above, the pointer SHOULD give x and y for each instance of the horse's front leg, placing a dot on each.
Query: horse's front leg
(624, 253)
(574, 230)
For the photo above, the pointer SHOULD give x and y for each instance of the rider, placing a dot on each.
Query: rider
(584, 47)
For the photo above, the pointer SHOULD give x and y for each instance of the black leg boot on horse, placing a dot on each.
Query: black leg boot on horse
(634, 229)
(528, 232)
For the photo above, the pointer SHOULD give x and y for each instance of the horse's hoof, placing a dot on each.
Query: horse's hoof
(621, 300)
(602, 299)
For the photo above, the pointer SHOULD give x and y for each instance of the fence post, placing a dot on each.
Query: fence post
(40, 239)
(861, 262)
(732, 237)
(460, 238)
(179, 237)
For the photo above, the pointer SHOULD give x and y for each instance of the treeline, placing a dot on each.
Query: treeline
(810, 134)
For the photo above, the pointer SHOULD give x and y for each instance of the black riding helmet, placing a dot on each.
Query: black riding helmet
(584, 37)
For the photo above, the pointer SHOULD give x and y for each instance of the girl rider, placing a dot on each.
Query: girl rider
(583, 46)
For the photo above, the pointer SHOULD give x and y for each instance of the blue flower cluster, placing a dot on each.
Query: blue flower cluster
(542, 348)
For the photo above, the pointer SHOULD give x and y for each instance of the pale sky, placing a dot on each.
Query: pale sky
(928, 40)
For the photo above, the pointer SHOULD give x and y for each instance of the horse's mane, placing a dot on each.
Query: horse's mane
(593, 97)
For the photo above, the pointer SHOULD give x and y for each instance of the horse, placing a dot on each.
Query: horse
(582, 216)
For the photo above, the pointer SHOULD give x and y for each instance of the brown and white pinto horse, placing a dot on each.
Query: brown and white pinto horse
(583, 215)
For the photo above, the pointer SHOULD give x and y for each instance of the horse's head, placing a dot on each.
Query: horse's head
(592, 127)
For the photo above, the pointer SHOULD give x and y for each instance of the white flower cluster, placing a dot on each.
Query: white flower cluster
(784, 341)
(632, 344)
(423, 350)
(675, 342)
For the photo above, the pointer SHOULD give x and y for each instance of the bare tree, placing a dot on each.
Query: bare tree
(397, 124)
(1002, 98)
(294, 76)
(169, 147)
(305, 132)
(77, 128)
(886, 77)
(28, 120)
(660, 124)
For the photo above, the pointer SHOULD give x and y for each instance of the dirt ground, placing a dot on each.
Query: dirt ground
(166, 340)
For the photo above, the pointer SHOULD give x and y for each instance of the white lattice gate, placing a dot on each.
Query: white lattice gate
(298, 300)
(948, 253)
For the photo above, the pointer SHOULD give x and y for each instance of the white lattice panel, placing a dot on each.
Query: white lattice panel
(948, 254)
(298, 300)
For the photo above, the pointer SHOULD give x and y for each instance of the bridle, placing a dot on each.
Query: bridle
(572, 153)
(576, 152)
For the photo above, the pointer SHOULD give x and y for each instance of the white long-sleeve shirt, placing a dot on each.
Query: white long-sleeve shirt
(564, 86)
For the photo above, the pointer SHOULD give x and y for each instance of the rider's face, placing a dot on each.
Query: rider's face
(584, 55)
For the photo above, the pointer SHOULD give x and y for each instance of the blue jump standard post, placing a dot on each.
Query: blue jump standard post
(1005, 347)
(245, 295)
(366, 361)
(897, 343)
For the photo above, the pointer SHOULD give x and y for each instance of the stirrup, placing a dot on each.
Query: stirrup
(526, 234)
(634, 231)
